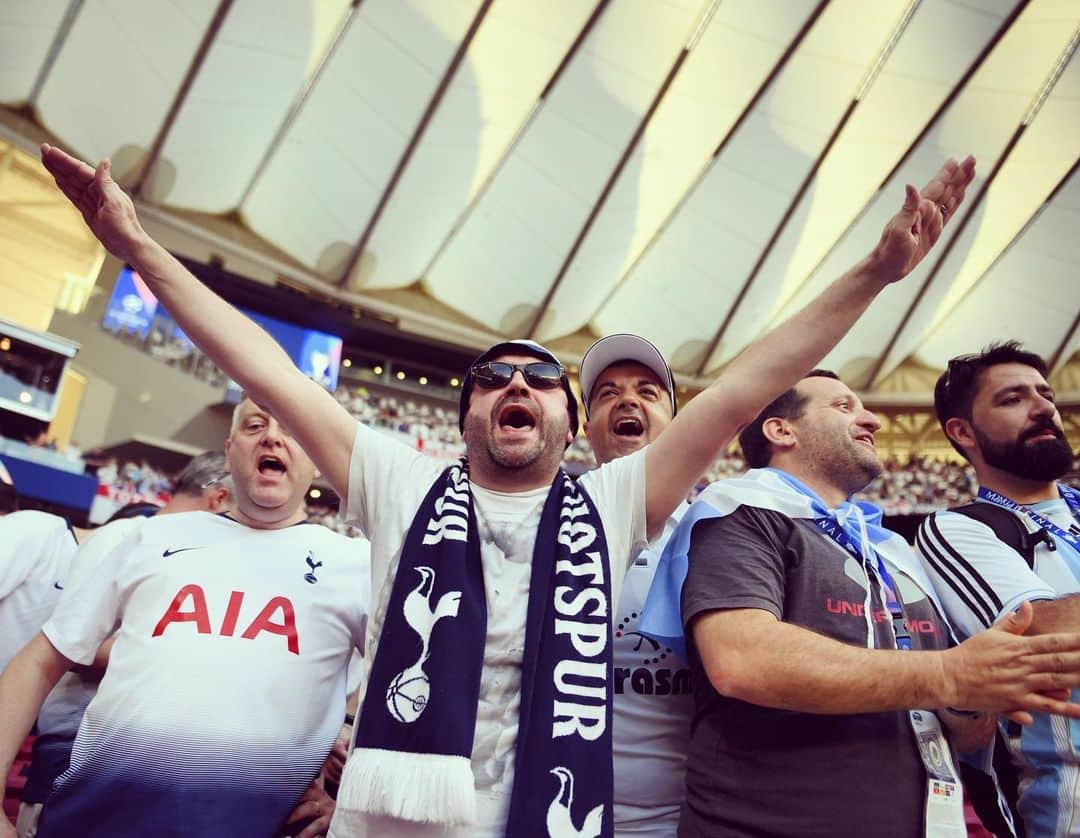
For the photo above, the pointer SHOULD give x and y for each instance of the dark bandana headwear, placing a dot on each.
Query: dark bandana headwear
(517, 347)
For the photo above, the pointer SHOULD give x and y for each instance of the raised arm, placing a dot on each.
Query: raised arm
(777, 361)
(239, 347)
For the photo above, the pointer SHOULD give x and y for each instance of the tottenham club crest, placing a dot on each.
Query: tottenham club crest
(309, 577)
(408, 692)
(560, 814)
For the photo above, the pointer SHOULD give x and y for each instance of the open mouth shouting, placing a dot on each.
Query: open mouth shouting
(271, 466)
(516, 418)
(628, 427)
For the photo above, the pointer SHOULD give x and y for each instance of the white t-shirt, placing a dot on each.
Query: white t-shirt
(226, 685)
(35, 551)
(387, 485)
(653, 705)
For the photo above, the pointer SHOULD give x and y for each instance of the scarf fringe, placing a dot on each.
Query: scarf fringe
(427, 788)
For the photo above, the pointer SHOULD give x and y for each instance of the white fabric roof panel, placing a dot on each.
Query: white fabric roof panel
(27, 30)
(321, 187)
(1028, 294)
(300, 142)
(980, 121)
(254, 69)
(523, 227)
(734, 56)
(928, 61)
(745, 194)
(117, 74)
(515, 53)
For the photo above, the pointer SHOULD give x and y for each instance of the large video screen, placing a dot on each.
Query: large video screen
(134, 310)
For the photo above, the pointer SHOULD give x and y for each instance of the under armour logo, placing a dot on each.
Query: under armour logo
(309, 577)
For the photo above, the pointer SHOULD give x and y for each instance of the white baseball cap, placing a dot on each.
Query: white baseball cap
(618, 348)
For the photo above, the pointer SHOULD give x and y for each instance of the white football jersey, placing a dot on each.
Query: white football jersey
(226, 685)
(35, 551)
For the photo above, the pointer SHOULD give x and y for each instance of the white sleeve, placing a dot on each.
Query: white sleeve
(978, 577)
(25, 539)
(618, 490)
(377, 463)
(89, 608)
(358, 628)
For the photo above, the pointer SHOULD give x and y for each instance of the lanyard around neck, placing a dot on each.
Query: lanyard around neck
(1071, 498)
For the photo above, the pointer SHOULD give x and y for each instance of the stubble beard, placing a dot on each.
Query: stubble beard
(846, 464)
(518, 458)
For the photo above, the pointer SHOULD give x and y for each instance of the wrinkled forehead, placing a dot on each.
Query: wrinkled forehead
(510, 358)
(1000, 377)
(824, 390)
(624, 372)
(246, 409)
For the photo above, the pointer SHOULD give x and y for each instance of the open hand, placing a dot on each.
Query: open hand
(106, 208)
(1002, 671)
(912, 232)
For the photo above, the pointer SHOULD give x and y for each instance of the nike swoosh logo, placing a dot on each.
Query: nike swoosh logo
(168, 553)
(58, 586)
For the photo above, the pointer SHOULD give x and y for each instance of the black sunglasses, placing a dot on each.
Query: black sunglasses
(542, 375)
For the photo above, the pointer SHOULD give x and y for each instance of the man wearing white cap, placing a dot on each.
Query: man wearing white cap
(629, 396)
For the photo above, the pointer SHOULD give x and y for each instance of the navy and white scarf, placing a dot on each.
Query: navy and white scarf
(414, 734)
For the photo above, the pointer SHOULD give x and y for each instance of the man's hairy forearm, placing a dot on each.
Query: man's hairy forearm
(773, 664)
(234, 342)
(773, 363)
(1056, 615)
(23, 687)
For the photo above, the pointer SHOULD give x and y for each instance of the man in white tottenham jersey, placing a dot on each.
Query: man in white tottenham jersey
(201, 485)
(517, 417)
(629, 396)
(225, 688)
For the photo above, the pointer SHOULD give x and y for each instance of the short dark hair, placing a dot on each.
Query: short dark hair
(955, 390)
(788, 405)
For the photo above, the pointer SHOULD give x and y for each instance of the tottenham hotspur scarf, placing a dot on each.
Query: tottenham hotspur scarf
(414, 735)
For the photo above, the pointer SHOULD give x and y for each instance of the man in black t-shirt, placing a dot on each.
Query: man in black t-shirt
(823, 676)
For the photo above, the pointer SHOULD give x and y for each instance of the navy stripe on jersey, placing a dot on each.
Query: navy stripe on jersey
(957, 573)
(166, 784)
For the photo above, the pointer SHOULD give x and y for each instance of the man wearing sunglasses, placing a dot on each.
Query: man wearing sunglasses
(488, 704)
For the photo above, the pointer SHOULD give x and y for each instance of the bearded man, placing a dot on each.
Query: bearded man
(1019, 542)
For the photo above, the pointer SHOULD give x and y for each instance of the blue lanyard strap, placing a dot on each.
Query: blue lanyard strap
(833, 529)
(1071, 497)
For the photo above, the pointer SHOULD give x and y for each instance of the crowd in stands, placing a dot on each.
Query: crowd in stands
(915, 485)
(164, 341)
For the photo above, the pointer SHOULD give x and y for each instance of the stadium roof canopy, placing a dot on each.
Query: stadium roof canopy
(692, 171)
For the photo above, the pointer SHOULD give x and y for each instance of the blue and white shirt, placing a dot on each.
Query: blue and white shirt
(225, 688)
(981, 579)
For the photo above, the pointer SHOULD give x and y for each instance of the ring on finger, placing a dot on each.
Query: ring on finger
(944, 210)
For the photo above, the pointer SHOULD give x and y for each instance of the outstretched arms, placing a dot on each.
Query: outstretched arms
(776, 362)
(323, 428)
